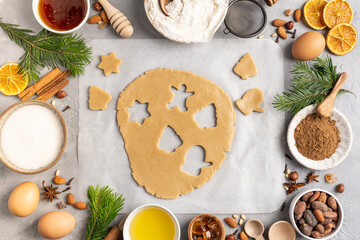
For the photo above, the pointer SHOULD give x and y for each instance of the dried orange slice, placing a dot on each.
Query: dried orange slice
(313, 13)
(342, 39)
(336, 12)
(12, 82)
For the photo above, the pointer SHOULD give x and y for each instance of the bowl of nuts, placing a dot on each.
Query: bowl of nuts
(316, 214)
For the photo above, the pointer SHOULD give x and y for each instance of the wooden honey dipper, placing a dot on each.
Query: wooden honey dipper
(118, 20)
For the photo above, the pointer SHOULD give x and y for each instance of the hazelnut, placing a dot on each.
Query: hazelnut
(97, 6)
(340, 188)
(293, 176)
(290, 25)
(61, 94)
(230, 237)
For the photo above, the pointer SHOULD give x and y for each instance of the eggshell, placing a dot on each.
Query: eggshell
(24, 199)
(308, 46)
(56, 224)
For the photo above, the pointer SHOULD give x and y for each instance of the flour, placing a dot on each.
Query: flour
(32, 137)
(189, 20)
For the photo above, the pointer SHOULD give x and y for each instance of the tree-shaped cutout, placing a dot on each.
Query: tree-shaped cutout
(179, 98)
(206, 117)
(138, 112)
(169, 140)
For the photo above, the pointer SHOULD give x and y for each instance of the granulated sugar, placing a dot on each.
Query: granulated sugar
(32, 137)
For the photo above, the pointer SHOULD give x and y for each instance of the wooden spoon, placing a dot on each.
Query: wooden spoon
(118, 20)
(163, 4)
(116, 232)
(255, 229)
(325, 108)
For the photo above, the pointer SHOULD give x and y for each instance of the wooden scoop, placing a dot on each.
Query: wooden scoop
(117, 19)
(163, 4)
(255, 229)
(325, 108)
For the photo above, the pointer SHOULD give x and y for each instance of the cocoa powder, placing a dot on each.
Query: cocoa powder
(317, 137)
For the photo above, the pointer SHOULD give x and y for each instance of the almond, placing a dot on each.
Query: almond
(231, 222)
(94, 19)
(282, 32)
(70, 199)
(59, 180)
(279, 22)
(297, 15)
(104, 17)
(243, 236)
(80, 205)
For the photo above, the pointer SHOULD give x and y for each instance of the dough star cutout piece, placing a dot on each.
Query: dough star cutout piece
(98, 98)
(110, 64)
(251, 101)
(246, 67)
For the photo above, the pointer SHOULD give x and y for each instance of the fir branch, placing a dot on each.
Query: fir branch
(47, 49)
(104, 207)
(310, 85)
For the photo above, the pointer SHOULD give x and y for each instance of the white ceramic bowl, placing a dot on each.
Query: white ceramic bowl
(340, 212)
(126, 231)
(342, 151)
(35, 7)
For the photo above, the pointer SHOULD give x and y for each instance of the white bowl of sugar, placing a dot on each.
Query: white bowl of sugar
(32, 137)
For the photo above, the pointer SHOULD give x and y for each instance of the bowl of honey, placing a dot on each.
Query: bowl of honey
(206, 227)
(151, 220)
(65, 16)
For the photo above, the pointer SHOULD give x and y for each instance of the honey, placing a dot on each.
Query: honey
(152, 224)
(62, 15)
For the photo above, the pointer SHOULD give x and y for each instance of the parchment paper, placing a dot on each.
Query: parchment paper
(250, 179)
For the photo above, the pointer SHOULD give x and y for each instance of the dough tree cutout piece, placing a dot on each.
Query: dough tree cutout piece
(98, 98)
(158, 171)
(251, 101)
(110, 64)
(138, 112)
(246, 67)
(179, 99)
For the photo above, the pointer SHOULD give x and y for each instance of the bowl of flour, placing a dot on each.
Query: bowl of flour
(32, 137)
(188, 21)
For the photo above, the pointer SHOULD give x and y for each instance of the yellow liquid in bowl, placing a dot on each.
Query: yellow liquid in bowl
(152, 224)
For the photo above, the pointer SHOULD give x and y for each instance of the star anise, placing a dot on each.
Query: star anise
(293, 186)
(312, 177)
(50, 192)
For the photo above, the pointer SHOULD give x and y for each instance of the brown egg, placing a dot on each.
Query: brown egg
(56, 224)
(308, 46)
(24, 199)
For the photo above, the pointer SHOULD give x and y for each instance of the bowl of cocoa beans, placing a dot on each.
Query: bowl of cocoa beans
(316, 214)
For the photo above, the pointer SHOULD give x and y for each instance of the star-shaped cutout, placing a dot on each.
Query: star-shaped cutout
(110, 64)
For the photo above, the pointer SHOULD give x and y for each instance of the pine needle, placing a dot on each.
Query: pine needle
(105, 204)
(47, 49)
(310, 85)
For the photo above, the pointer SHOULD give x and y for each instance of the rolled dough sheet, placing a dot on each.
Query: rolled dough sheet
(252, 172)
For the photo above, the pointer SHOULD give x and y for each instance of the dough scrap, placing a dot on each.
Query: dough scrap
(98, 98)
(246, 67)
(110, 64)
(159, 171)
(251, 101)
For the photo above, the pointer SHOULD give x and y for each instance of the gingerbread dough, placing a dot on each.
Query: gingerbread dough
(159, 171)
(246, 67)
(110, 64)
(98, 99)
(251, 101)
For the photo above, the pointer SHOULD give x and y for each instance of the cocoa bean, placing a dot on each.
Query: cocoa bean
(314, 198)
(323, 197)
(307, 196)
(329, 226)
(298, 216)
(306, 229)
(300, 208)
(327, 232)
(316, 234)
(332, 203)
(319, 205)
(310, 218)
(320, 228)
(331, 215)
(327, 221)
(301, 221)
(319, 215)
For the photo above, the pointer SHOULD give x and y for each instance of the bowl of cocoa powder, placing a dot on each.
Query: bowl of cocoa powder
(319, 143)
(316, 214)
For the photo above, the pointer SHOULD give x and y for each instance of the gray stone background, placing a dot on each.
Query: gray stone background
(20, 12)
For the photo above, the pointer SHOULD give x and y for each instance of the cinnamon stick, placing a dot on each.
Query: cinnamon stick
(52, 91)
(54, 82)
(30, 91)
